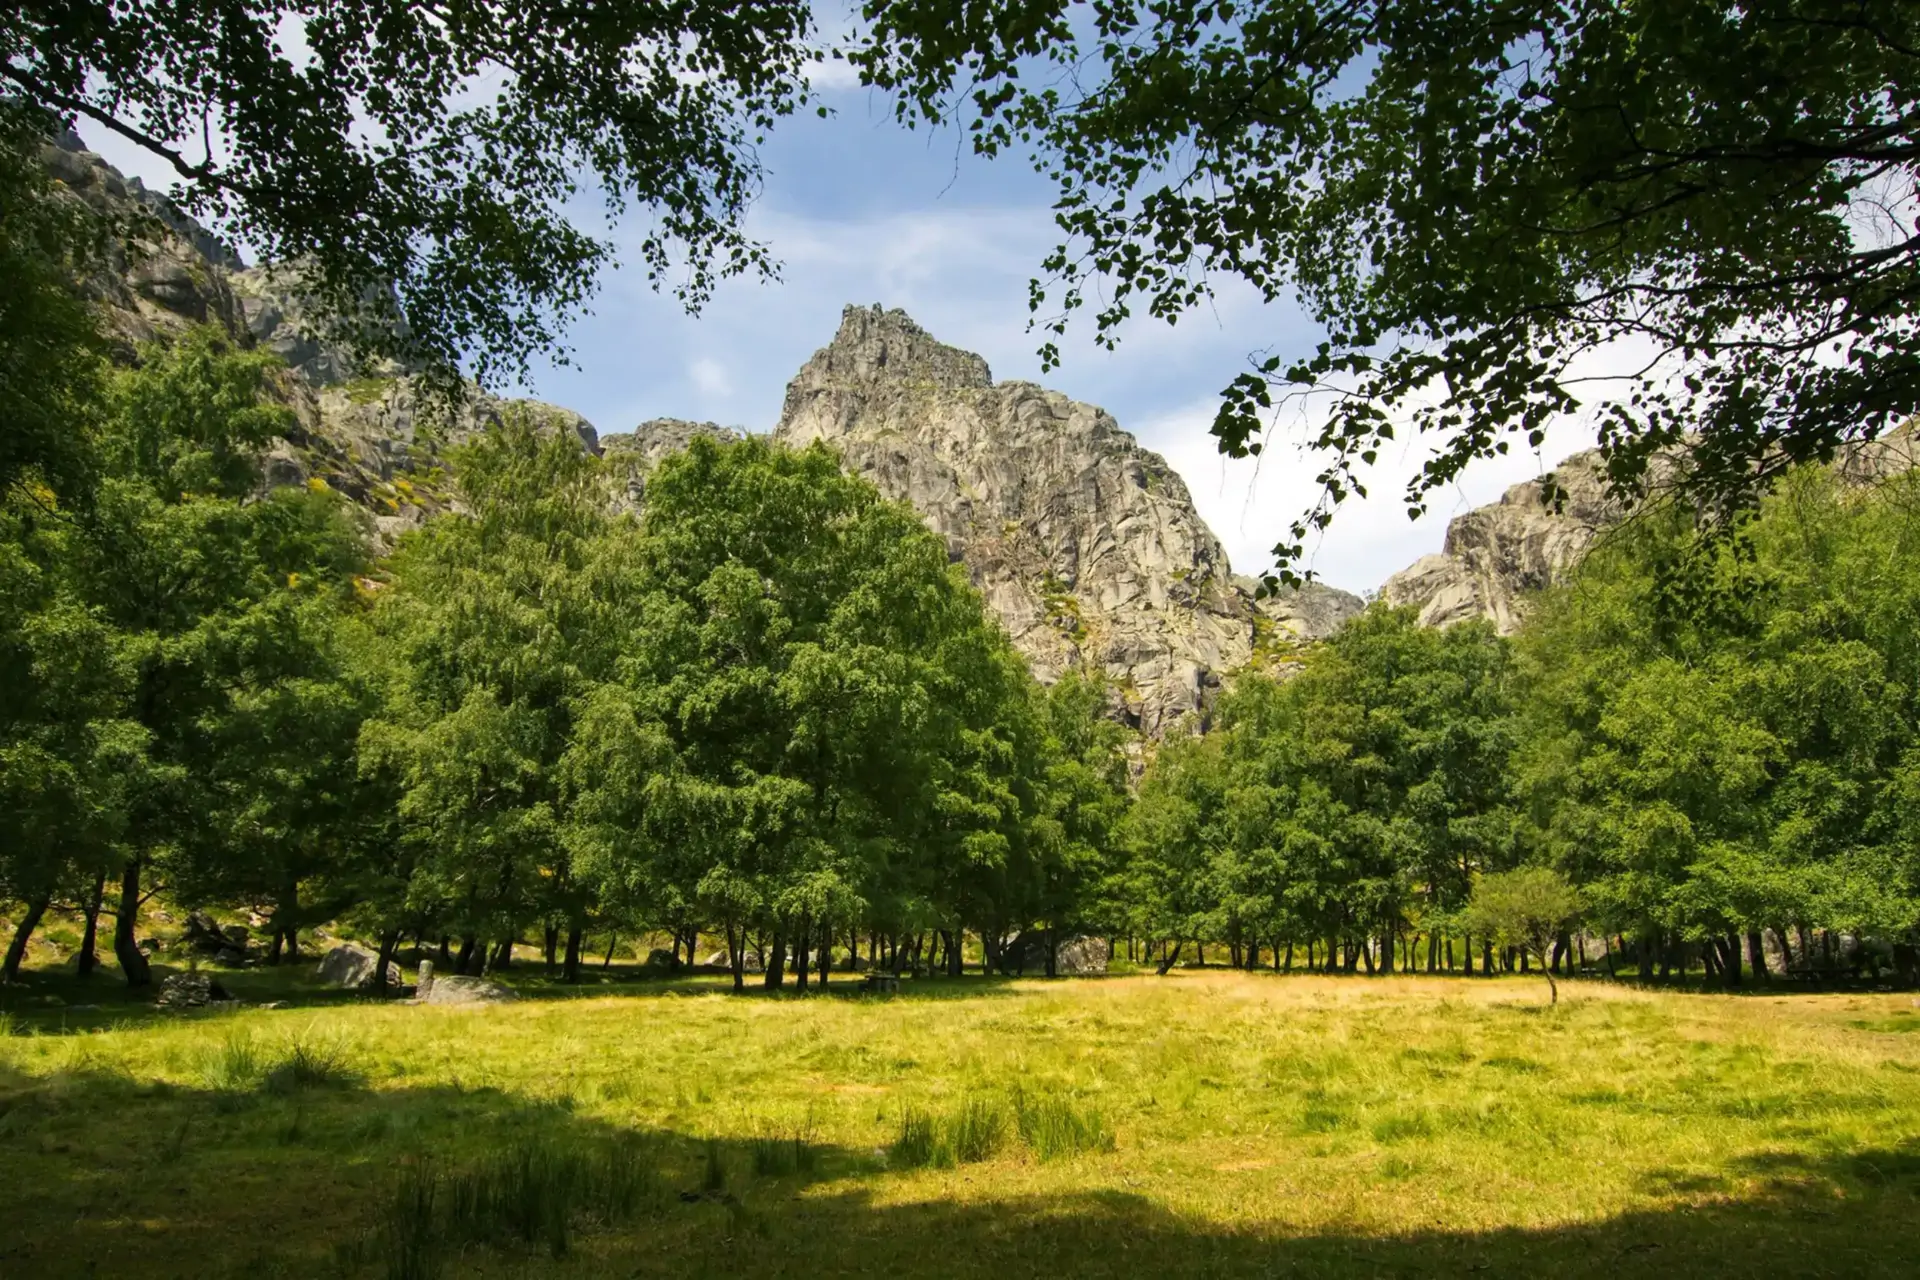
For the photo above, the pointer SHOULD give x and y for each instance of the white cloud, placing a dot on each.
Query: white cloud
(710, 377)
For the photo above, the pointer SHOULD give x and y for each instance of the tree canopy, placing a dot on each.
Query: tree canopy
(1471, 199)
(423, 163)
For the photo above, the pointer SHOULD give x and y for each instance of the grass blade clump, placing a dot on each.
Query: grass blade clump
(977, 1130)
(309, 1064)
(972, 1132)
(1054, 1128)
(915, 1145)
(236, 1063)
(530, 1194)
(778, 1152)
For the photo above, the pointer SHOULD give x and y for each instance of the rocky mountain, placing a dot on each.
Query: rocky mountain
(1495, 556)
(1086, 545)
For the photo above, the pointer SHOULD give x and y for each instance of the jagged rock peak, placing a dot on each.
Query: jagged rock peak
(1085, 545)
(875, 344)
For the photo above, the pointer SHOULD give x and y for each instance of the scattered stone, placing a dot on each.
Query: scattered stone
(425, 986)
(659, 961)
(203, 933)
(274, 1004)
(352, 966)
(884, 983)
(455, 989)
(190, 991)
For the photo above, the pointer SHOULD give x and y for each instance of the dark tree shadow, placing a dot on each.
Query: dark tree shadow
(106, 1176)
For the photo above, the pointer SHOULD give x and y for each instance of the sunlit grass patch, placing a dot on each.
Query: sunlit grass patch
(1408, 1125)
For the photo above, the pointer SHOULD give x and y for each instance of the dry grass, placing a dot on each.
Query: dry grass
(1245, 1124)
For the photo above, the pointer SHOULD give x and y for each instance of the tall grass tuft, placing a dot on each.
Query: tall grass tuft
(234, 1064)
(778, 1152)
(531, 1194)
(915, 1145)
(1054, 1128)
(972, 1132)
(305, 1063)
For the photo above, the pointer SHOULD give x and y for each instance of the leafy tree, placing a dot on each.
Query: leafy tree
(50, 354)
(1717, 731)
(1530, 908)
(497, 629)
(197, 580)
(419, 160)
(1470, 198)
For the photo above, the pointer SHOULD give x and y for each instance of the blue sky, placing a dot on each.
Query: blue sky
(860, 210)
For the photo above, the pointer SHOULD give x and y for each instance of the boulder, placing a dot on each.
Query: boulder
(189, 991)
(1076, 955)
(350, 966)
(204, 933)
(455, 989)
(1082, 955)
(720, 960)
(660, 960)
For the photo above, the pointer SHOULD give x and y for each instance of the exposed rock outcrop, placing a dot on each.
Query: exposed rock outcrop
(368, 432)
(1084, 544)
(1497, 555)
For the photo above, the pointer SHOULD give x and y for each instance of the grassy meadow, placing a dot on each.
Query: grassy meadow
(1208, 1123)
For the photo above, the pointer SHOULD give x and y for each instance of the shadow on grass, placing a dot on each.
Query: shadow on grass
(106, 1175)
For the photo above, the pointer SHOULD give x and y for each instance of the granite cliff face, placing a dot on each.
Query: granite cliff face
(1085, 545)
(365, 431)
(1495, 556)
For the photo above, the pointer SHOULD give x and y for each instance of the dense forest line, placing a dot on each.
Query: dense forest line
(767, 708)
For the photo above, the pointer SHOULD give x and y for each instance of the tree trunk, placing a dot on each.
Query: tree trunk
(550, 945)
(826, 953)
(776, 966)
(1167, 959)
(1553, 988)
(1276, 957)
(737, 956)
(279, 941)
(389, 943)
(89, 939)
(468, 945)
(613, 941)
(571, 970)
(1757, 956)
(803, 956)
(17, 949)
(126, 946)
(446, 949)
(1053, 943)
(956, 953)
